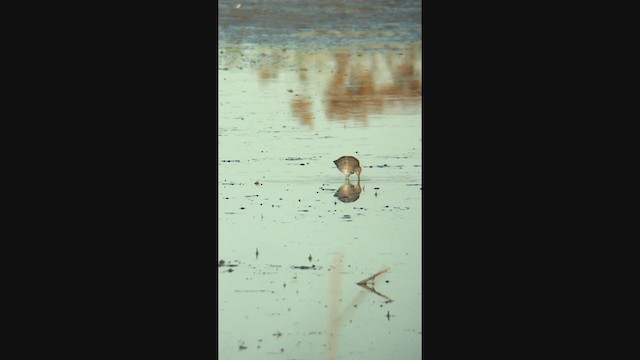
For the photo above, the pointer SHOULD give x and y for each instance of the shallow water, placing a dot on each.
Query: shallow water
(293, 252)
(321, 22)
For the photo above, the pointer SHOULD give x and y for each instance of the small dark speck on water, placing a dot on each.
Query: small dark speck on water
(241, 208)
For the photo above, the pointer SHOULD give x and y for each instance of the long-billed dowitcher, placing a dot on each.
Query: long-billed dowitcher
(348, 165)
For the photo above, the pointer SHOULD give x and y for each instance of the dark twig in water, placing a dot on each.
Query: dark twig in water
(373, 290)
(389, 316)
(372, 277)
(365, 284)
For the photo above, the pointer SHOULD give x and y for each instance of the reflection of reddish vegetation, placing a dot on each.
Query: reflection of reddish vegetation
(337, 317)
(353, 93)
(334, 308)
(301, 110)
(360, 85)
(267, 73)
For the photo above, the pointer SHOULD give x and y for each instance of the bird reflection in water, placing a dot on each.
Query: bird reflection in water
(348, 192)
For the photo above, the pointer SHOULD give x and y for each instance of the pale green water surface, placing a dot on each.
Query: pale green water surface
(284, 116)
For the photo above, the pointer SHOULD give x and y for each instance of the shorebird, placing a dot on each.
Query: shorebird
(348, 165)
